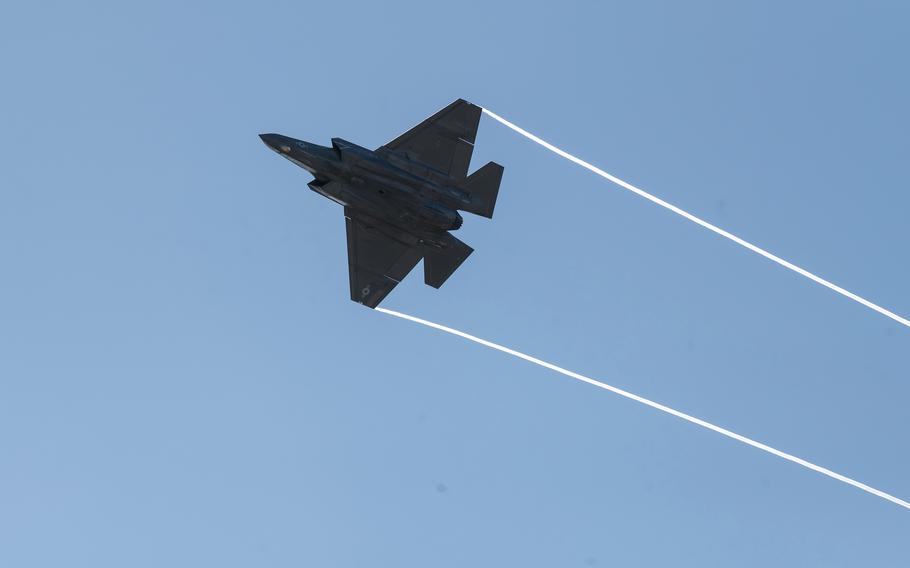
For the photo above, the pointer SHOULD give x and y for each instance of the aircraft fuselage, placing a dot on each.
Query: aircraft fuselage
(376, 185)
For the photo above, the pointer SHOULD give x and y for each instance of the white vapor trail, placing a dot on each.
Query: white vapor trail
(653, 404)
(702, 222)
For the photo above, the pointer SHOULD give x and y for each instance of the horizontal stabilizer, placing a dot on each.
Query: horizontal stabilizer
(483, 187)
(439, 265)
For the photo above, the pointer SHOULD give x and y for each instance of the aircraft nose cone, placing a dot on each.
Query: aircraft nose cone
(276, 142)
(268, 139)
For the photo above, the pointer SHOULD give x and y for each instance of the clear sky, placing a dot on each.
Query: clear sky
(184, 381)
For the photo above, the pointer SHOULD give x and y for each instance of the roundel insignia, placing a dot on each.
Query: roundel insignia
(365, 291)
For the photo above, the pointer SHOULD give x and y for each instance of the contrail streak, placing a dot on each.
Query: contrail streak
(699, 221)
(653, 404)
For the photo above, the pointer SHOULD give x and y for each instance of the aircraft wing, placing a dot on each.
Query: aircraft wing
(445, 141)
(377, 261)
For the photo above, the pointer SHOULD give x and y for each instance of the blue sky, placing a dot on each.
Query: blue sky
(183, 380)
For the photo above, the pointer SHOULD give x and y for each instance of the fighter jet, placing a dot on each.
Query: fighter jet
(402, 199)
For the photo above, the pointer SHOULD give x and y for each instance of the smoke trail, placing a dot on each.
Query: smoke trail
(656, 405)
(701, 222)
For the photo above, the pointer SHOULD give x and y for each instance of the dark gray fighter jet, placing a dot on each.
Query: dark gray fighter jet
(402, 199)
